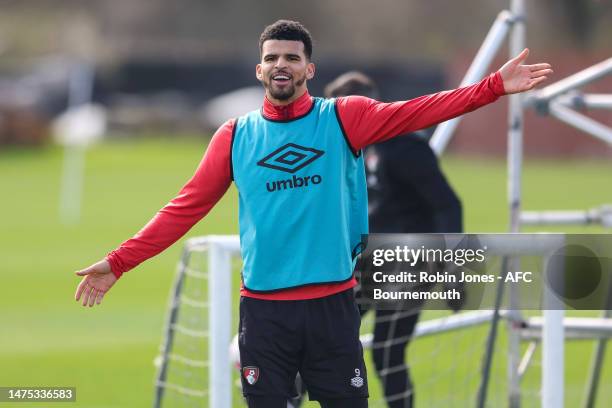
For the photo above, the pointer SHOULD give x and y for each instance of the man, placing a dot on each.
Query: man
(302, 195)
(407, 193)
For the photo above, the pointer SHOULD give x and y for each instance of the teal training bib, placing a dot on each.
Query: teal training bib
(302, 197)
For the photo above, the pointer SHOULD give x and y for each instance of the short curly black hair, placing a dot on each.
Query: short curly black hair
(287, 30)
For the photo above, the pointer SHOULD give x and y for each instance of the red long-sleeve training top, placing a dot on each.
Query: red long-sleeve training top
(365, 121)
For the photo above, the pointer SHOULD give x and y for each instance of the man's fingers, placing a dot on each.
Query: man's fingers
(542, 72)
(97, 279)
(80, 289)
(536, 81)
(101, 267)
(85, 295)
(88, 292)
(85, 271)
(92, 297)
(538, 67)
(540, 79)
(522, 56)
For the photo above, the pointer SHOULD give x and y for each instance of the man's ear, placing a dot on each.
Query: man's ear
(258, 72)
(310, 71)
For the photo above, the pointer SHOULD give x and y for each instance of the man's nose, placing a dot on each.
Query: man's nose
(281, 62)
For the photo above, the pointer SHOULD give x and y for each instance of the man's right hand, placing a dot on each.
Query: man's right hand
(97, 280)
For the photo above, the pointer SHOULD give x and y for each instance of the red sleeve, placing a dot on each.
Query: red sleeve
(210, 181)
(366, 121)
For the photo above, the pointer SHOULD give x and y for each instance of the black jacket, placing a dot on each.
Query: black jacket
(407, 191)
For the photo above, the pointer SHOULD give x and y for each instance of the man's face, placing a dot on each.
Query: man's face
(283, 70)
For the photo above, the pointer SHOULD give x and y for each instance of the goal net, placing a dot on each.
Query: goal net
(197, 365)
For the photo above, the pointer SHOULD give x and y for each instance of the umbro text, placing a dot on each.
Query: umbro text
(294, 182)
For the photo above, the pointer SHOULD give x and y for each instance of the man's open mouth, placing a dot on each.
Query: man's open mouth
(281, 79)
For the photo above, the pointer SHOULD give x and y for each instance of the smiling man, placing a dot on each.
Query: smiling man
(285, 80)
(299, 171)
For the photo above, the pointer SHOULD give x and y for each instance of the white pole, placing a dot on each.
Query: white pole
(576, 80)
(552, 350)
(515, 161)
(597, 101)
(515, 125)
(581, 122)
(219, 292)
(593, 216)
(72, 184)
(71, 190)
(491, 44)
(586, 101)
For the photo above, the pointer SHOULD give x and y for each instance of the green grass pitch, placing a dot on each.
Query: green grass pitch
(107, 352)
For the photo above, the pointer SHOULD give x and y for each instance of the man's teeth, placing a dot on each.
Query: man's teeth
(280, 77)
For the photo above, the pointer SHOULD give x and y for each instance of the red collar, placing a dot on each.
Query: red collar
(297, 108)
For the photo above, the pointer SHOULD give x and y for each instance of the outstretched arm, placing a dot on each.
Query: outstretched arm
(367, 121)
(210, 181)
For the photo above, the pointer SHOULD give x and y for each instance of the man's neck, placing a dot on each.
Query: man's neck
(285, 102)
(299, 107)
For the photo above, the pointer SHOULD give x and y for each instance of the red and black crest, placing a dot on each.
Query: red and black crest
(250, 374)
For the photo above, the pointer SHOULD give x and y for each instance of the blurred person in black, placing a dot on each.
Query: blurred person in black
(407, 193)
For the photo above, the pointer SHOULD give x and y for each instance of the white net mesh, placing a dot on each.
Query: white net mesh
(444, 356)
(185, 362)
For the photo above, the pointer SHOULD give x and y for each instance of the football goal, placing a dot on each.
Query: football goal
(451, 357)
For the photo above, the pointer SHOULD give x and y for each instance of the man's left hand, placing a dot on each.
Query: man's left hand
(521, 78)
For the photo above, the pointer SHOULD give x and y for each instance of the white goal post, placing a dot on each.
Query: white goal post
(220, 249)
(217, 276)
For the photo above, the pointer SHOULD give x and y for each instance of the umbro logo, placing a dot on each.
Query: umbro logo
(290, 158)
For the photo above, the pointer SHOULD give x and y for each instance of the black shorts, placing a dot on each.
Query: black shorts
(317, 337)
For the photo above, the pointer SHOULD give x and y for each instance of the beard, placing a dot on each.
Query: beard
(282, 93)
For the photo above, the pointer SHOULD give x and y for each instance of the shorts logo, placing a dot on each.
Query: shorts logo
(290, 158)
(357, 381)
(250, 374)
